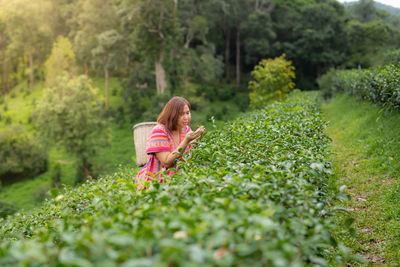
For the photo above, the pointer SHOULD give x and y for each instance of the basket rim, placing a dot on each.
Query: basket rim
(144, 123)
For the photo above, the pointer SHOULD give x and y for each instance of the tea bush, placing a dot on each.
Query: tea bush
(392, 57)
(20, 154)
(379, 85)
(252, 193)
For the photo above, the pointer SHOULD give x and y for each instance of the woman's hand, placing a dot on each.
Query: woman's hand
(168, 158)
(191, 136)
(200, 131)
(194, 136)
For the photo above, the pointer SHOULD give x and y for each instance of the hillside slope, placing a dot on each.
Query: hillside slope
(29, 193)
(253, 192)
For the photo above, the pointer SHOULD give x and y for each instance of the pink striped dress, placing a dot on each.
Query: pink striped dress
(161, 139)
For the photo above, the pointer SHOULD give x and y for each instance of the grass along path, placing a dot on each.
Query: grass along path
(366, 157)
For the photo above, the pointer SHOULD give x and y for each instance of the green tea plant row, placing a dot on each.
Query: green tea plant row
(252, 192)
(379, 85)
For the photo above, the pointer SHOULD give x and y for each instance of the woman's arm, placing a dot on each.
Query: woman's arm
(168, 158)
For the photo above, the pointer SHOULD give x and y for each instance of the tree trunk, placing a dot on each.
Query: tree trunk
(86, 71)
(161, 83)
(106, 86)
(188, 40)
(227, 52)
(86, 168)
(4, 76)
(31, 81)
(127, 59)
(238, 57)
(83, 171)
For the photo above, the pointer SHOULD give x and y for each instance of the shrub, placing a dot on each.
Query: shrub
(29, 120)
(379, 85)
(8, 120)
(326, 83)
(56, 177)
(120, 115)
(392, 57)
(242, 101)
(7, 209)
(225, 92)
(42, 193)
(272, 80)
(210, 92)
(20, 155)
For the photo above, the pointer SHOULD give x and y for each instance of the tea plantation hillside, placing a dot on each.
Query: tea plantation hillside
(253, 192)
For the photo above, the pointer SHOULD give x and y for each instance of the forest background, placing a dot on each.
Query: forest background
(139, 53)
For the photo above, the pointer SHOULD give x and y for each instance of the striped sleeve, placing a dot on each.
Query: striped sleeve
(158, 141)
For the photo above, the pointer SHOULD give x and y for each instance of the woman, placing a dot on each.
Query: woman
(168, 138)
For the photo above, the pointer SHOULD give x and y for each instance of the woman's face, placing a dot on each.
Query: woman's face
(184, 117)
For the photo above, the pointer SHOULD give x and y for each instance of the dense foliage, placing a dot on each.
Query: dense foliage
(20, 155)
(392, 57)
(192, 40)
(71, 114)
(272, 80)
(252, 193)
(379, 85)
(61, 59)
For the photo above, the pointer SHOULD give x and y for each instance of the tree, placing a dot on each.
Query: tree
(315, 42)
(70, 114)
(93, 21)
(3, 58)
(219, 16)
(156, 31)
(107, 55)
(365, 40)
(364, 10)
(272, 80)
(62, 59)
(258, 36)
(28, 30)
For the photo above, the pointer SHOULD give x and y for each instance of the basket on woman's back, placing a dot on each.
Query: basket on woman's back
(141, 133)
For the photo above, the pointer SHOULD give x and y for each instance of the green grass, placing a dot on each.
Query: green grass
(366, 157)
(19, 105)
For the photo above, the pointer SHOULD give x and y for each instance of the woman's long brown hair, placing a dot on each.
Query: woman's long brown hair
(172, 110)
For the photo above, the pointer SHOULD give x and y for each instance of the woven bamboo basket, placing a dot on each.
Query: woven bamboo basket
(141, 133)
